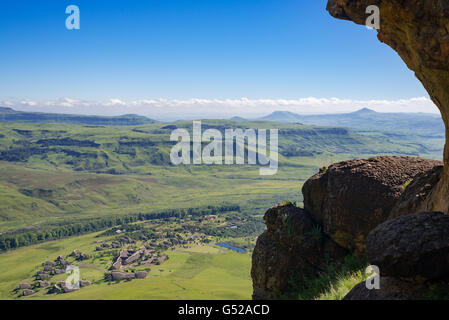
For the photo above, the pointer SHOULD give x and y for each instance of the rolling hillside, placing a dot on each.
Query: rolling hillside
(49, 171)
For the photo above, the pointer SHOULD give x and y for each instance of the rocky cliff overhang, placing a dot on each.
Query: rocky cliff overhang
(419, 32)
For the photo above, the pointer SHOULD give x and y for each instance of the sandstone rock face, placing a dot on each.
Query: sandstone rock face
(415, 245)
(417, 194)
(352, 197)
(291, 245)
(419, 32)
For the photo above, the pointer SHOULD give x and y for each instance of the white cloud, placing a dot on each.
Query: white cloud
(194, 107)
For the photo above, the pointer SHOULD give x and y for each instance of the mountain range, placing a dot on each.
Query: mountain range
(424, 123)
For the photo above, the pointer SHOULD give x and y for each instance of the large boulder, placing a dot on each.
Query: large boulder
(390, 289)
(351, 198)
(292, 245)
(410, 246)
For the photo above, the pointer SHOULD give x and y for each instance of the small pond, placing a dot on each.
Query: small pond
(228, 246)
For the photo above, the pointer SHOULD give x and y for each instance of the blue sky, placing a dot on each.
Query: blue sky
(177, 49)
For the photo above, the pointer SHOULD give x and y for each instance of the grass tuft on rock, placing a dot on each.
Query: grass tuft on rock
(333, 283)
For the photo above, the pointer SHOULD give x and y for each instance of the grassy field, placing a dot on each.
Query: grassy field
(81, 195)
(197, 272)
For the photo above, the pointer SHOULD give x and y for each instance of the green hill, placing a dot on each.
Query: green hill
(10, 115)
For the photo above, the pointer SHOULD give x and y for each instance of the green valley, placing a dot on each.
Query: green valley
(66, 187)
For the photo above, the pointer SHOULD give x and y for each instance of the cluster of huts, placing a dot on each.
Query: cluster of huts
(50, 269)
(145, 256)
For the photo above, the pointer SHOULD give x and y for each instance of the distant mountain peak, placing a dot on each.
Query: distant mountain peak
(282, 116)
(365, 110)
(238, 119)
